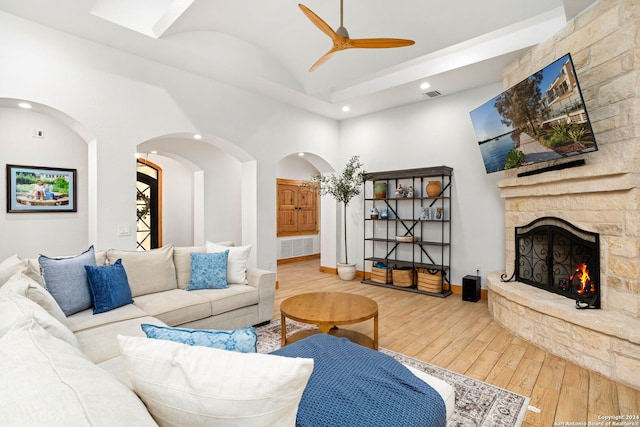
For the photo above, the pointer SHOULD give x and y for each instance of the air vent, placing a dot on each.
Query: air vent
(432, 94)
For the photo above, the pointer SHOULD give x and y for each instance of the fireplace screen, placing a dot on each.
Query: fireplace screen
(554, 255)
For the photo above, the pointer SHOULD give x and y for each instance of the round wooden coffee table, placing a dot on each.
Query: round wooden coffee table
(328, 310)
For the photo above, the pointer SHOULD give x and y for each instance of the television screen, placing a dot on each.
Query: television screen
(540, 119)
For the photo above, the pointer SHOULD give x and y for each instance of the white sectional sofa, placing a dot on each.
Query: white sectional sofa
(75, 370)
(158, 280)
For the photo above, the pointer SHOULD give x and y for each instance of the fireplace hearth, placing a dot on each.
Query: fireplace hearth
(554, 255)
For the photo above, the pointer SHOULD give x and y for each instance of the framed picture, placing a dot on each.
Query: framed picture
(41, 189)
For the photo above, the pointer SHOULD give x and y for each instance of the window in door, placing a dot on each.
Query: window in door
(297, 208)
(148, 206)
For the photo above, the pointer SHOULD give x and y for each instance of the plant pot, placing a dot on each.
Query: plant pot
(380, 190)
(433, 188)
(347, 271)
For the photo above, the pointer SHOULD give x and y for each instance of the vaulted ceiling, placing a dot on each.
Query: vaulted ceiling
(268, 46)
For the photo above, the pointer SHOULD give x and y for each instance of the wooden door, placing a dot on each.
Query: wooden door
(287, 208)
(297, 208)
(307, 209)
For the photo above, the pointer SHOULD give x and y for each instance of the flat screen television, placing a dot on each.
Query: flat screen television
(542, 118)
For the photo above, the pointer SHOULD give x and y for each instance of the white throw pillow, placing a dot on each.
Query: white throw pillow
(14, 307)
(237, 264)
(47, 382)
(23, 285)
(190, 385)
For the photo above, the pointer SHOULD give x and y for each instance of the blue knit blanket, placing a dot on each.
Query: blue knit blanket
(354, 386)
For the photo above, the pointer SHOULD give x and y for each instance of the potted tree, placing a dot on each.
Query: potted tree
(343, 187)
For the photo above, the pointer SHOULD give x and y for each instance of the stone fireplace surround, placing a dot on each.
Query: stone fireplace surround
(606, 341)
(602, 196)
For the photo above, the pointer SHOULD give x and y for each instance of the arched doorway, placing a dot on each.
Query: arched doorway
(148, 205)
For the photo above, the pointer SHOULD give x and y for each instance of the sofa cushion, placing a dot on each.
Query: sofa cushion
(109, 286)
(237, 265)
(174, 307)
(14, 307)
(208, 271)
(51, 383)
(13, 265)
(66, 280)
(148, 271)
(182, 261)
(100, 344)
(184, 385)
(243, 340)
(235, 296)
(29, 288)
(86, 319)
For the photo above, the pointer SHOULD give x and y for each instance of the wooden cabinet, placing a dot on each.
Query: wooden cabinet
(297, 208)
(409, 231)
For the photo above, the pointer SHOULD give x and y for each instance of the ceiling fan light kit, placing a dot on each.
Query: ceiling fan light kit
(341, 40)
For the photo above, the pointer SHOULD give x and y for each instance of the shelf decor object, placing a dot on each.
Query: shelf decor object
(413, 241)
(380, 189)
(433, 188)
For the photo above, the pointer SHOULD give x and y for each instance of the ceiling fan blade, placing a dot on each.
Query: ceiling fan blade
(378, 43)
(323, 59)
(318, 22)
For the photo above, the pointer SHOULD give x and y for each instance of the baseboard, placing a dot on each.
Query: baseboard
(333, 270)
(456, 289)
(297, 258)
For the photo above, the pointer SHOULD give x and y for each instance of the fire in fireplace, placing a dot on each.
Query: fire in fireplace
(554, 255)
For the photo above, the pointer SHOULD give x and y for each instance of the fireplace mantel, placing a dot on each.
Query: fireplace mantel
(590, 178)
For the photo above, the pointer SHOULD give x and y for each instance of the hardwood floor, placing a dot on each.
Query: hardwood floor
(462, 337)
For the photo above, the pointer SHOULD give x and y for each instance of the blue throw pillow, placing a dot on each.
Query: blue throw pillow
(109, 286)
(209, 270)
(243, 340)
(66, 280)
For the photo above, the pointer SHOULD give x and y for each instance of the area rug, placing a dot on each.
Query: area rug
(478, 404)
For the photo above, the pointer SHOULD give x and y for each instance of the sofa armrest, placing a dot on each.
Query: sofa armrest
(265, 281)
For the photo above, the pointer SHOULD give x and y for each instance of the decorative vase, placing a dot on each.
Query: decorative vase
(346, 271)
(380, 190)
(433, 188)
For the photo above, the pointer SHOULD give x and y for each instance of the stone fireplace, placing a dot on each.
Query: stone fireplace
(600, 197)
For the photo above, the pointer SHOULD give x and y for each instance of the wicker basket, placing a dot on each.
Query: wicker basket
(381, 275)
(430, 280)
(405, 277)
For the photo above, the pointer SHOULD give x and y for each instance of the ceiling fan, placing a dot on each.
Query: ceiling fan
(341, 40)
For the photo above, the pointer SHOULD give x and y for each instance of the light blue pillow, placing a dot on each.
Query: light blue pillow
(66, 280)
(208, 270)
(243, 340)
(109, 286)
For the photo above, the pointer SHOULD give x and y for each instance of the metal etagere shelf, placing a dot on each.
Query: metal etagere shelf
(408, 229)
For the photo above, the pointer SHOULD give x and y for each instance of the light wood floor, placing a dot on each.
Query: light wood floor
(462, 337)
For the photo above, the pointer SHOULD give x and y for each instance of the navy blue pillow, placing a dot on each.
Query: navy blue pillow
(109, 286)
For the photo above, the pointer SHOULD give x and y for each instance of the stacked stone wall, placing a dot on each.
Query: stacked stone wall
(602, 196)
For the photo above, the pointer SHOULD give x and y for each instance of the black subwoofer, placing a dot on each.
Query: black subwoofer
(471, 288)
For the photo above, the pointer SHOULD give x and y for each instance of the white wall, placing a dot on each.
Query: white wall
(177, 200)
(62, 233)
(432, 133)
(124, 100)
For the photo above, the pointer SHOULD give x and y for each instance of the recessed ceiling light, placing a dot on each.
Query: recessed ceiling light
(425, 85)
(197, 136)
(346, 109)
(25, 105)
(154, 152)
(301, 154)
